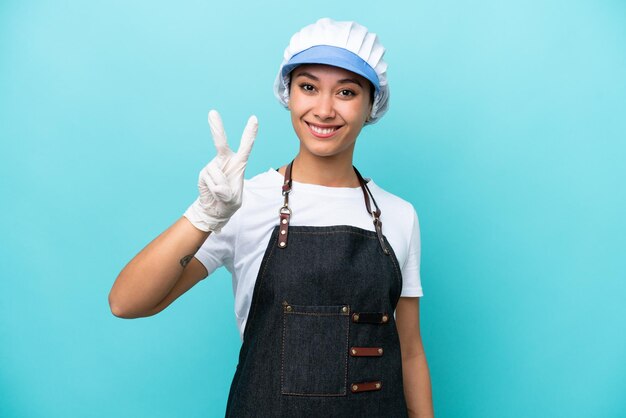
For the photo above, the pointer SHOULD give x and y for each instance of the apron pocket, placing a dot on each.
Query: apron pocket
(315, 350)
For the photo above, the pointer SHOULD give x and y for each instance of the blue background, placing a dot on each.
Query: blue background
(506, 131)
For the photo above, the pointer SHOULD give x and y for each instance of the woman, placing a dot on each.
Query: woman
(317, 278)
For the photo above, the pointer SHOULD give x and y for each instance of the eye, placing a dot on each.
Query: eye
(347, 93)
(307, 87)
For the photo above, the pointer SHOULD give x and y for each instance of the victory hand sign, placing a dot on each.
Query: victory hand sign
(220, 183)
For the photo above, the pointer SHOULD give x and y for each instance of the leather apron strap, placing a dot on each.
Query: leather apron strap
(285, 211)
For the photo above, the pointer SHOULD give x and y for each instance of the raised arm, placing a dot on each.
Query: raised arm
(166, 268)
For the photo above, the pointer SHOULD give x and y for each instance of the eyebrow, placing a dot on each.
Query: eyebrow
(342, 81)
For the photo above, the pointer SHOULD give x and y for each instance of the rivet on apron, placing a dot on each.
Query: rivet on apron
(355, 317)
(282, 244)
(288, 308)
(344, 309)
(284, 221)
(354, 351)
(377, 385)
(355, 387)
(385, 318)
(283, 232)
(380, 351)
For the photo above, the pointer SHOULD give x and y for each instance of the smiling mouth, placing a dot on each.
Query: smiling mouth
(322, 132)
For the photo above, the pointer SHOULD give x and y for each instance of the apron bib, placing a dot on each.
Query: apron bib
(321, 339)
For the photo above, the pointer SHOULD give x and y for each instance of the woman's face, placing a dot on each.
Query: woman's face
(329, 106)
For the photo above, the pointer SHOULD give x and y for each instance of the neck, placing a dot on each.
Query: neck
(330, 171)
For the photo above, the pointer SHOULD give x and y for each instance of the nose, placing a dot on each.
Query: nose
(324, 107)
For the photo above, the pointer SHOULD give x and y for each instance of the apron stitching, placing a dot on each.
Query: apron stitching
(334, 232)
(398, 275)
(314, 394)
(282, 357)
(345, 382)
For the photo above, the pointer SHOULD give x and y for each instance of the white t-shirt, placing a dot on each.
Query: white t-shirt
(241, 244)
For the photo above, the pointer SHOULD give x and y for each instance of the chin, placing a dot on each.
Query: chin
(322, 151)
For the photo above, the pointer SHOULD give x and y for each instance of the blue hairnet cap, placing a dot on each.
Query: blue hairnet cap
(347, 45)
(335, 56)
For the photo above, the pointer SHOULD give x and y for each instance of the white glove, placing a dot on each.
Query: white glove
(221, 182)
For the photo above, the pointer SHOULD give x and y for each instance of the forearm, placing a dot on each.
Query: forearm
(417, 388)
(150, 275)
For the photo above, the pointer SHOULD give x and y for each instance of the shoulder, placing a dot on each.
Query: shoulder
(393, 207)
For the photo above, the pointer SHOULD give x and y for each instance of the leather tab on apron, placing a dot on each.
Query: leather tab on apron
(366, 386)
(370, 317)
(285, 212)
(366, 351)
(284, 228)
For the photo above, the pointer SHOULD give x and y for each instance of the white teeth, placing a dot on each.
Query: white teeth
(322, 131)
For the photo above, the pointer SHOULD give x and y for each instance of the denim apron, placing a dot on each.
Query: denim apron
(321, 339)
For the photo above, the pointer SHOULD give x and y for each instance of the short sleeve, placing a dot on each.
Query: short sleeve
(219, 248)
(411, 280)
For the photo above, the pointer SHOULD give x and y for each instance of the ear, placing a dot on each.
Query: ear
(369, 112)
(289, 97)
(371, 103)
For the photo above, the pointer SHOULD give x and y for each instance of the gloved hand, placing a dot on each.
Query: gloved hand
(220, 183)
